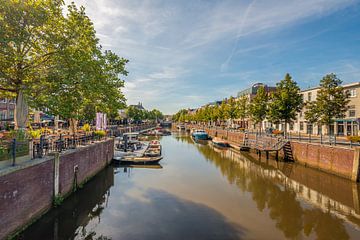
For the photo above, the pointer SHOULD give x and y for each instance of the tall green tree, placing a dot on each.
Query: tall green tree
(258, 106)
(243, 108)
(84, 79)
(285, 102)
(331, 102)
(231, 109)
(29, 39)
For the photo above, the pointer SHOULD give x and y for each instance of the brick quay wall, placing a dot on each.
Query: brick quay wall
(27, 191)
(341, 161)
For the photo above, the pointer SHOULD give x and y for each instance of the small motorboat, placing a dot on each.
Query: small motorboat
(218, 142)
(140, 160)
(199, 135)
(154, 149)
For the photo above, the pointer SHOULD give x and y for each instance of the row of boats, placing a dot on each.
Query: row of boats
(131, 149)
(199, 135)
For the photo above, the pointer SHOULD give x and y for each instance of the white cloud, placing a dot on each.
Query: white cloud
(168, 42)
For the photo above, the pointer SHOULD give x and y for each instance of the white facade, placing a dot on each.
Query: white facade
(349, 125)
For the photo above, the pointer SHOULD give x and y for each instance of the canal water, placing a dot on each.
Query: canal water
(200, 192)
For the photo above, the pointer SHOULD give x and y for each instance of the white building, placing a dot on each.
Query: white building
(349, 125)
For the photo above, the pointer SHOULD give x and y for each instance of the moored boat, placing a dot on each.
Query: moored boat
(141, 160)
(218, 142)
(200, 135)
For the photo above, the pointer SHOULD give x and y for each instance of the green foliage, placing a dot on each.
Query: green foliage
(231, 109)
(331, 102)
(243, 107)
(258, 105)
(58, 200)
(137, 114)
(19, 135)
(285, 102)
(56, 60)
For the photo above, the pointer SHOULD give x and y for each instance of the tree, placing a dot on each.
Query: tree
(135, 113)
(243, 108)
(231, 109)
(258, 106)
(84, 80)
(331, 102)
(29, 33)
(285, 102)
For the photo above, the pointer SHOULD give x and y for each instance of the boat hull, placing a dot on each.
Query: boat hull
(140, 160)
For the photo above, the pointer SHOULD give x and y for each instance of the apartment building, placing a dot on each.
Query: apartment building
(250, 93)
(349, 125)
(7, 109)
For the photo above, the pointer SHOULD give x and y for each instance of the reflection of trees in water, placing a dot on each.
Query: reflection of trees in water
(284, 208)
(70, 219)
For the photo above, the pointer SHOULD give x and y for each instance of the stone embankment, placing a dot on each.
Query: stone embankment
(338, 160)
(27, 191)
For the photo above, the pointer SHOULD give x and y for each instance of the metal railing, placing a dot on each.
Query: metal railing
(332, 140)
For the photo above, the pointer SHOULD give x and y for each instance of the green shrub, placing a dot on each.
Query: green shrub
(58, 200)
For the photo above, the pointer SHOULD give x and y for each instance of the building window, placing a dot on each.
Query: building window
(301, 126)
(309, 96)
(300, 114)
(11, 114)
(291, 126)
(3, 100)
(352, 107)
(352, 92)
(2, 115)
(352, 113)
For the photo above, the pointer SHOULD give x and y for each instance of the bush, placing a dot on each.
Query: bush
(86, 127)
(19, 135)
(353, 138)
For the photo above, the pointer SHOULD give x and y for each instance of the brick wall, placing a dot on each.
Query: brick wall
(25, 195)
(332, 159)
(27, 192)
(89, 160)
(336, 160)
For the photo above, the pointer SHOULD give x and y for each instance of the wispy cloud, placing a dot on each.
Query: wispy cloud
(176, 46)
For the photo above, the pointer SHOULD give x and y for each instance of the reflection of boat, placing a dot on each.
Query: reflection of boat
(146, 166)
(218, 142)
(181, 127)
(199, 135)
(140, 160)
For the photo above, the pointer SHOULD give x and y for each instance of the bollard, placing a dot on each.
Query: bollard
(13, 151)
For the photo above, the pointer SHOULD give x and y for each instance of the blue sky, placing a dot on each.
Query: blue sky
(186, 53)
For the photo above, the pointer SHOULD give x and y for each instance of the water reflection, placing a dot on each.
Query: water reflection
(201, 192)
(302, 201)
(69, 221)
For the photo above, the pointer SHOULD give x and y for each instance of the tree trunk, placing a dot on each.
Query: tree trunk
(73, 125)
(21, 111)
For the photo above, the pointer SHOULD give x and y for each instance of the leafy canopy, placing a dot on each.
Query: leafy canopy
(331, 101)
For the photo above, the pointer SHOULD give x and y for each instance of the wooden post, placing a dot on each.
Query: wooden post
(355, 168)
